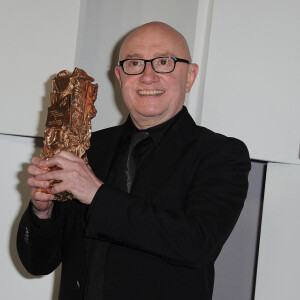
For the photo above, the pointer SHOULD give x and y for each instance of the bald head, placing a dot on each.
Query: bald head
(155, 34)
(154, 97)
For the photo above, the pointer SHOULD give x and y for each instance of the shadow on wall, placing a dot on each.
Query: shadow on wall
(235, 268)
(114, 81)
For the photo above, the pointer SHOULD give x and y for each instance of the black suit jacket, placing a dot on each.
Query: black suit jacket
(160, 241)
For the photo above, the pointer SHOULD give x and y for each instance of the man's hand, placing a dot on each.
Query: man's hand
(42, 202)
(75, 175)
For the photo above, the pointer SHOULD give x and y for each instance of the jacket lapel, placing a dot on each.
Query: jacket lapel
(103, 151)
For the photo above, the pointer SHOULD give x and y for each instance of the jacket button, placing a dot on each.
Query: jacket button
(26, 236)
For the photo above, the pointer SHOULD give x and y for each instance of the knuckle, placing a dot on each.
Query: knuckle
(32, 192)
(31, 170)
(30, 181)
(54, 189)
(44, 184)
(78, 167)
(71, 185)
(75, 174)
(53, 159)
(36, 160)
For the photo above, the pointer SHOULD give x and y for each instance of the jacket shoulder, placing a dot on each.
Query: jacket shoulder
(216, 145)
(106, 132)
(210, 138)
(204, 139)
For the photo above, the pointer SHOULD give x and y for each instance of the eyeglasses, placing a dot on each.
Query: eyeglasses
(159, 64)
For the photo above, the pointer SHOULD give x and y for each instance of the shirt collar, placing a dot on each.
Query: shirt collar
(156, 132)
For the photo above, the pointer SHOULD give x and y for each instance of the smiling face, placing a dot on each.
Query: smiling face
(150, 97)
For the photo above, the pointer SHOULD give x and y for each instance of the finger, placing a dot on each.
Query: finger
(35, 160)
(34, 170)
(38, 162)
(40, 197)
(46, 164)
(55, 175)
(63, 156)
(60, 187)
(32, 182)
(75, 164)
(55, 161)
(68, 155)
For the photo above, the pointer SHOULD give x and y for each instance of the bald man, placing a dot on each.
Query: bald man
(160, 195)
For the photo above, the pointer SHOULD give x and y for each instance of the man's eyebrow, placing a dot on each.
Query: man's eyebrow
(139, 56)
(134, 55)
(163, 54)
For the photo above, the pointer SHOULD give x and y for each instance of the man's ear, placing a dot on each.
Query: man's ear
(191, 77)
(118, 75)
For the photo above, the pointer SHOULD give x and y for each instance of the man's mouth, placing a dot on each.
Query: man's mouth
(150, 93)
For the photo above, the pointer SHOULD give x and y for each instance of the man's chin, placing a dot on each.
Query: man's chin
(149, 118)
(151, 112)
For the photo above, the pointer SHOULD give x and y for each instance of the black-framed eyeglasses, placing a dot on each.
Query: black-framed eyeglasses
(159, 64)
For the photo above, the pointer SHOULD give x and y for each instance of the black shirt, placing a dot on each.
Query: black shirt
(142, 151)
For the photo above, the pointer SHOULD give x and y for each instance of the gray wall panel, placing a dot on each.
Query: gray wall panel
(236, 265)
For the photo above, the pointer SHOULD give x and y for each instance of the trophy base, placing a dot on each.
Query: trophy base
(61, 197)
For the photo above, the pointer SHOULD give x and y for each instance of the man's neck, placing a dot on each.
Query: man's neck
(148, 122)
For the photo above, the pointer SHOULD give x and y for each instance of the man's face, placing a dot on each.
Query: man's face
(154, 98)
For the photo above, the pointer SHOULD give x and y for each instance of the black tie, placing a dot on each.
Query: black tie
(133, 157)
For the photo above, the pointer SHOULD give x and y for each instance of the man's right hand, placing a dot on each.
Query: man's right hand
(42, 202)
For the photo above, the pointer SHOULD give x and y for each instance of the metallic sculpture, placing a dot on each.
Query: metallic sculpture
(68, 125)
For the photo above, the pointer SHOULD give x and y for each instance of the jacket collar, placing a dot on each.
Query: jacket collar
(175, 142)
(156, 132)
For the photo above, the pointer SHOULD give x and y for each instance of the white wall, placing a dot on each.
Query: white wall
(252, 88)
(38, 39)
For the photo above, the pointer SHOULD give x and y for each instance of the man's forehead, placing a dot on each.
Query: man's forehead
(147, 49)
(154, 40)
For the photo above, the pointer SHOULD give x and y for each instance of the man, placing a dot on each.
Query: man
(154, 231)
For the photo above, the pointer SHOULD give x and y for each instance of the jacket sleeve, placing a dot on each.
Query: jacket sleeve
(39, 241)
(191, 236)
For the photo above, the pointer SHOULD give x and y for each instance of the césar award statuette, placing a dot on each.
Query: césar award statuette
(68, 125)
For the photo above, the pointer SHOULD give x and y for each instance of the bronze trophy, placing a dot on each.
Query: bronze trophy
(68, 125)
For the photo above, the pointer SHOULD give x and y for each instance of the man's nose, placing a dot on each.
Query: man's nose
(149, 75)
